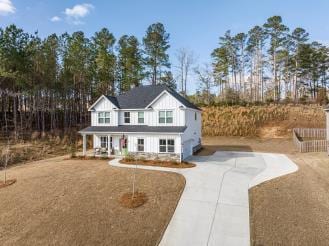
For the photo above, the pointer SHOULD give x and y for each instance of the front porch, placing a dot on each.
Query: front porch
(105, 145)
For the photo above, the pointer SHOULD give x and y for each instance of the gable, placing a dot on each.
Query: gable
(165, 101)
(102, 104)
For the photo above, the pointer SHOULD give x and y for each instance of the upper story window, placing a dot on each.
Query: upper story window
(140, 117)
(104, 117)
(165, 117)
(127, 117)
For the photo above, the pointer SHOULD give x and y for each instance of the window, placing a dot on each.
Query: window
(165, 117)
(162, 117)
(169, 117)
(166, 145)
(104, 117)
(140, 117)
(171, 145)
(127, 117)
(195, 116)
(140, 144)
(162, 145)
(104, 141)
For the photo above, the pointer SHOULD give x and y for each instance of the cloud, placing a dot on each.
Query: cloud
(6, 7)
(55, 19)
(77, 12)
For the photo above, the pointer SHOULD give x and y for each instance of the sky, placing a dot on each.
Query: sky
(192, 24)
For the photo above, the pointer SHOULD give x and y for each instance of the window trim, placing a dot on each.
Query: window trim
(104, 117)
(106, 141)
(166, 145)
(166, 116)
(125, 117)
(140, 117)
(138, 145)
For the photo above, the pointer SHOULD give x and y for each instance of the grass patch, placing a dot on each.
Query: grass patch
(157, 163)
(84, 204)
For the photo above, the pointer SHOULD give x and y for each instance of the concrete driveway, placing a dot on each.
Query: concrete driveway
(214, 207)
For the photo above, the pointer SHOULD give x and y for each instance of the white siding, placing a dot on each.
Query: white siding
(151, 117)
(104, 105)
(193, 131)
(167, 102)
(151, 142)
(133, 117)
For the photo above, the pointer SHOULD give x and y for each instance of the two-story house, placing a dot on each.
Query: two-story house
(152, 121)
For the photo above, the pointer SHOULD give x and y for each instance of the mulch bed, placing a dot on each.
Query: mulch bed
(78, 157)
(8, 182)
(127, 200)
(157, 163)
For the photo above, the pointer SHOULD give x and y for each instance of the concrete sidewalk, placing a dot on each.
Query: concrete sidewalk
(214, 207)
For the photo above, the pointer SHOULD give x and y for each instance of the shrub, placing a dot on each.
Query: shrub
(129, 158)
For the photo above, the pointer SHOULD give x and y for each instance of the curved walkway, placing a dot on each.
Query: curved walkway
(214, 207)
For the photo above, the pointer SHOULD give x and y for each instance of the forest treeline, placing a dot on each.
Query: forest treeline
(270, 62)
(48, 83)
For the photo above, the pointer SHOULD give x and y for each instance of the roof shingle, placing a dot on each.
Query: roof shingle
(140, 97)
(134, 128)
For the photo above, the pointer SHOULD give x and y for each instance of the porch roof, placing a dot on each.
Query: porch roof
(134, 129)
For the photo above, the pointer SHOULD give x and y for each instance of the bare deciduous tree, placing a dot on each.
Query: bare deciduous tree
(185, 59)
(5, 157)
(206, 80)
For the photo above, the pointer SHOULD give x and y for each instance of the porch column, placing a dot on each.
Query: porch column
(109, 145)
(84, 144)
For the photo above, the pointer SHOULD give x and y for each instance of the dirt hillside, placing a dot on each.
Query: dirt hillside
(272, 121)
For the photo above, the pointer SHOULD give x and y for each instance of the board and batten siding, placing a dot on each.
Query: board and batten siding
(133, 117)
(151, 116)
(193, 130)
(104, 105)
(151, 142)
(167, 102)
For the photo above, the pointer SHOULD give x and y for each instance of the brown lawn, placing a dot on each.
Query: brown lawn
(75, 202)
(290, 210)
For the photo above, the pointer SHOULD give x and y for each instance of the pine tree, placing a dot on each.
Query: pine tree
(156, 44)
(130, 70)
(105, 61)
(278, 34)
(168, 80)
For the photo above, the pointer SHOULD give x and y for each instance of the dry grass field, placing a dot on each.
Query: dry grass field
(27, 151)
(293, 209)
(264, 121)
(74, 202)
(290, 210)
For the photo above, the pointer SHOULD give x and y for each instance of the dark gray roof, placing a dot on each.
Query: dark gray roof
(135, 128)
(140, 97)
(113, 100)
